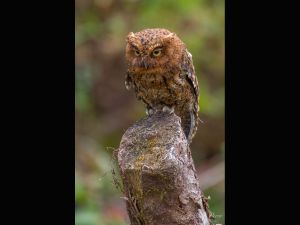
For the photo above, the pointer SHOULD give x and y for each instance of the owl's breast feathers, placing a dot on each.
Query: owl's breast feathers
(157, 89)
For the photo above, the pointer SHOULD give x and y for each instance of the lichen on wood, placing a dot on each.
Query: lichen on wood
(158, 174)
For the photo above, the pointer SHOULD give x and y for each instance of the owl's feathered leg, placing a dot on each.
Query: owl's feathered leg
(168, 109)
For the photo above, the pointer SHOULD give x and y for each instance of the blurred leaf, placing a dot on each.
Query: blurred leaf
(88, 26)
(80, 192)
(216, 204)
(82, 89)
(87, 217)
(211, 103)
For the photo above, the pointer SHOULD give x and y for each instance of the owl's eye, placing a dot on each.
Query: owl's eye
(157, 52)
(137, 53)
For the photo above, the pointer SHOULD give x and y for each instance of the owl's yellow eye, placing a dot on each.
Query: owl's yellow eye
(157, 52)
(137, 53)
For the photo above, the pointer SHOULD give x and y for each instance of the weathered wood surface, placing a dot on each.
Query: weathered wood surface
(158, 174)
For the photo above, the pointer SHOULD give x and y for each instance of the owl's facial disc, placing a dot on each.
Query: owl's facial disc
(147, 58)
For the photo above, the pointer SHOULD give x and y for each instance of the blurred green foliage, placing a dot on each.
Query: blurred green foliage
(104, 109)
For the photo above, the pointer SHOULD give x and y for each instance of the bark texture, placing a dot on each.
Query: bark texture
(158, 174)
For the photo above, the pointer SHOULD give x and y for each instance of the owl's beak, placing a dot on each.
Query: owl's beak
(144, 63)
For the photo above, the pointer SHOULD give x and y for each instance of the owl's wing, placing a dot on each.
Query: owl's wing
(190, 120)
(189, 73)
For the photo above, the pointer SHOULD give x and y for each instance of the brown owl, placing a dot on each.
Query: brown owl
(161, 71)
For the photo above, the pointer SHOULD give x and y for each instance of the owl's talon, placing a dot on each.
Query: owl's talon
(167, 109)
(149, 112)
(128, 86)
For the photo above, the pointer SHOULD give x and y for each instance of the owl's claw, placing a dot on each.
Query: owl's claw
(127, 85)
(167, 109)
(149, 112)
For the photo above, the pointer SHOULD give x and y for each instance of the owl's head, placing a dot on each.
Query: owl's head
(153, 51)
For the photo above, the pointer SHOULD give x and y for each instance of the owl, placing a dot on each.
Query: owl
(161, 72)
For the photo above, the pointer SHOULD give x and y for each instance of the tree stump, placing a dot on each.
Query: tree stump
(158, 174)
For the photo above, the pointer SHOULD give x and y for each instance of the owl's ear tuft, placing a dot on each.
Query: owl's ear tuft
(169, 37)
(130, 36)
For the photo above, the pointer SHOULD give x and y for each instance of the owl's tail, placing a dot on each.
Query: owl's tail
(189, 123)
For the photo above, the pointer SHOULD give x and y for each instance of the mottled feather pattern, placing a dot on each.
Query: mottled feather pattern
(161, 71)
(191, 77)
